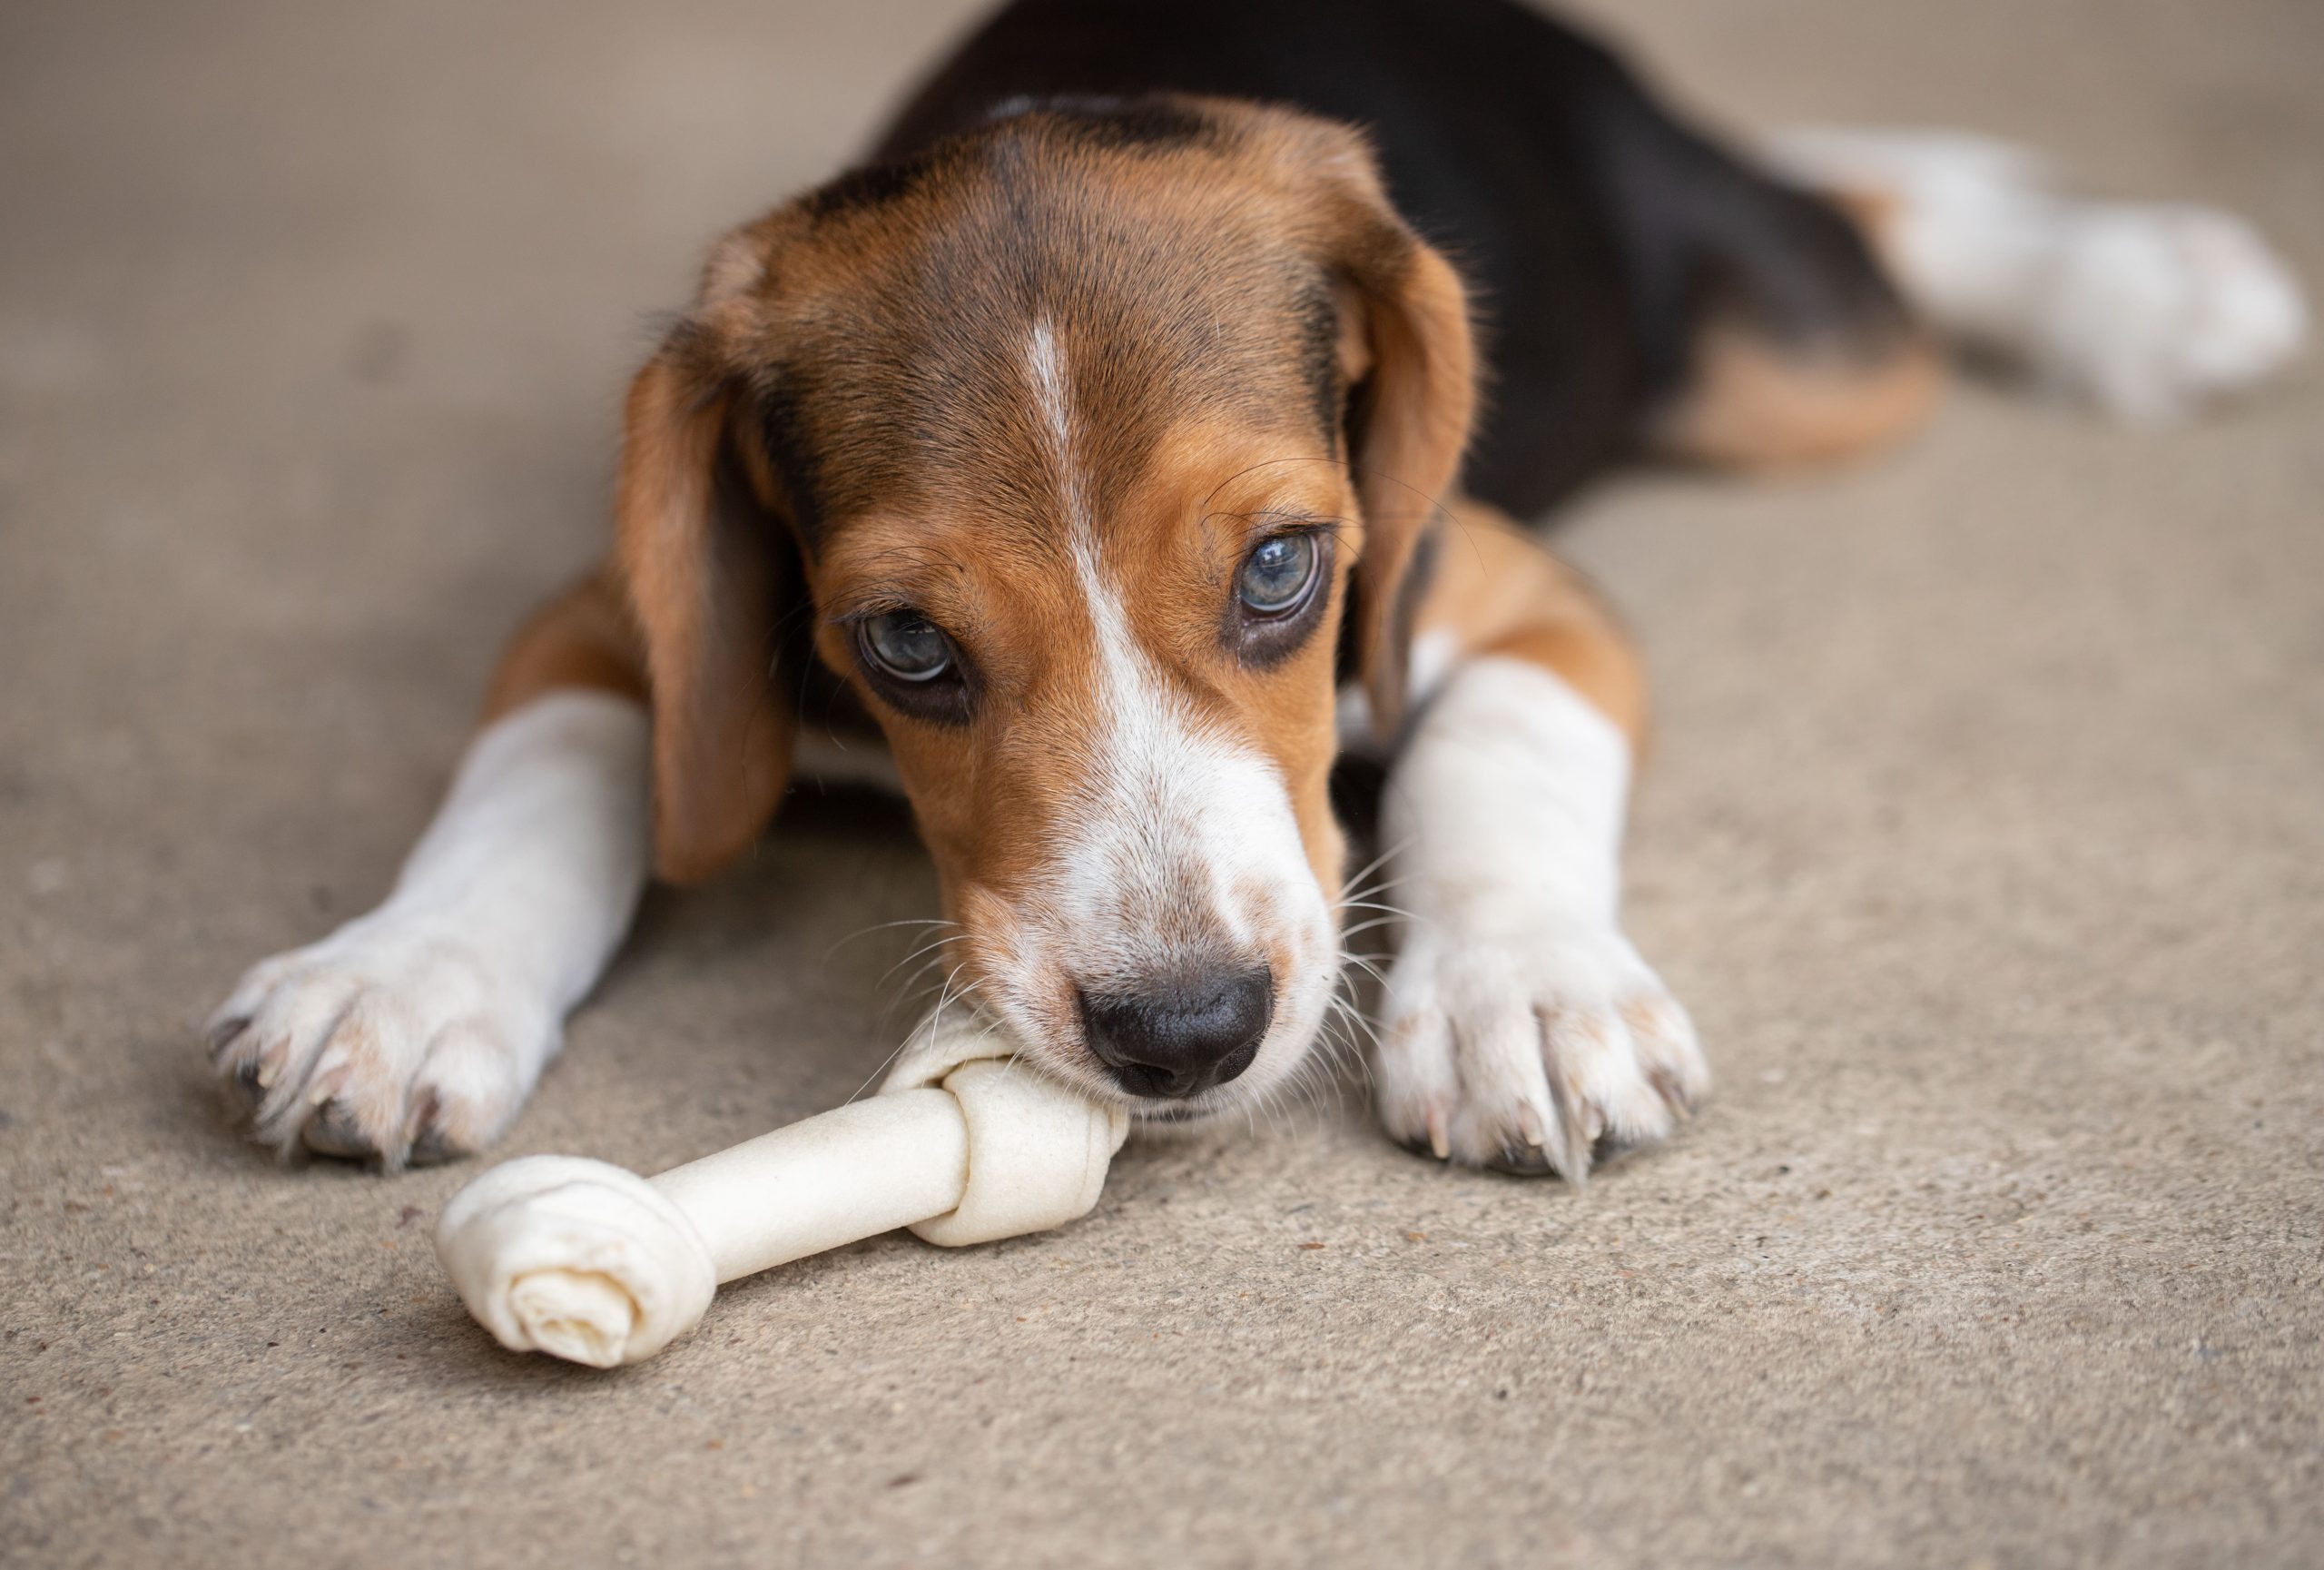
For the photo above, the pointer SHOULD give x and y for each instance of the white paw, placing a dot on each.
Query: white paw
(2148, 310)
(1533, 1056)
(2152, 312)
(386, 1041)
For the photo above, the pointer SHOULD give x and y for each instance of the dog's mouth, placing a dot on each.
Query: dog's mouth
(1164, 1115)
(1228, 1101)
(1177, 1021)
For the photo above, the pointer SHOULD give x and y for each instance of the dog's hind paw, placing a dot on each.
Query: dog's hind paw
(2153, 311)
(2148, 310)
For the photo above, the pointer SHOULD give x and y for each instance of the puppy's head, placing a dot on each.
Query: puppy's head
(1096, 447)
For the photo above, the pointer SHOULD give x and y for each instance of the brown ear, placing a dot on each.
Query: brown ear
(1408, 420)
(1406, 357)
(707, 573)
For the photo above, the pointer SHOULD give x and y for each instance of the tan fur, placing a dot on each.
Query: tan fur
(1754, 404)
(993, 801)
(704, 590)
(1874, 213)
(1496, 591)
(1188, 453)
(582, 638)
(1425, 399)
(910, 466)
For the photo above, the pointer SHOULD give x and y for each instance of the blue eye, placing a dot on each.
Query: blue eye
(1277, 574)
(906, 645)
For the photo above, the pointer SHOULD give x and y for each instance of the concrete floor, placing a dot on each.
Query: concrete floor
(1987, 842)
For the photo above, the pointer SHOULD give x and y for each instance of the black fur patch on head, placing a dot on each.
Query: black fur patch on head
(783, 432)
(1319, 353)
(869, 185)
(1150, 122)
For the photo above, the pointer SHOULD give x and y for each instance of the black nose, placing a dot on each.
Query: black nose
(1182, 1036)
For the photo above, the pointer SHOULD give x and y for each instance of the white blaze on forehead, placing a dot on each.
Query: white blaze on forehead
(1054, 403)
(1181, 842)
(1132, 695)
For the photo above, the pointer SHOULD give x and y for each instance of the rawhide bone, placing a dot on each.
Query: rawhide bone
(589, 1263)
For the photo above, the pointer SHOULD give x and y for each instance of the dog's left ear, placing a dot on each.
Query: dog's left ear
(1407, 423)
(1408, 360)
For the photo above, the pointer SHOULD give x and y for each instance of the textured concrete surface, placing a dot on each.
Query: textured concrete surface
(1987, 840)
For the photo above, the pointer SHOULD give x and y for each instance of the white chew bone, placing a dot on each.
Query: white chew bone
(592, 1263)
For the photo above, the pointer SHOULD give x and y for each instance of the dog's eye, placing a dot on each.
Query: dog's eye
(907, 646)
(1277, 574)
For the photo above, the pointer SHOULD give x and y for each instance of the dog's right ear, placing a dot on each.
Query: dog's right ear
(710, 572)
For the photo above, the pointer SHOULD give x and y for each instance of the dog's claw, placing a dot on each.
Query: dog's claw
(249, 1089)
(1674, 1094)
(1529, 1123)
(223, 1034)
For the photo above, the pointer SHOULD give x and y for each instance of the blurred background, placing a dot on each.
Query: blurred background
(1985, 842)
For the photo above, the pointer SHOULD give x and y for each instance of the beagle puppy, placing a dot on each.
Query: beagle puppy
(1137, 432)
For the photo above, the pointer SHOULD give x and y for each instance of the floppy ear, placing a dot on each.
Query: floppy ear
(1406, 359)
(709, 572)
(1411, 398)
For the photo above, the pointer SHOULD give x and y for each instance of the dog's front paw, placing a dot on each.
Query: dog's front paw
(1533, 1054)
(386, 1041)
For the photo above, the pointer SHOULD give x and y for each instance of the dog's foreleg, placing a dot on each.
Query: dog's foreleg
(414, 1032)
(1522, 1028)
